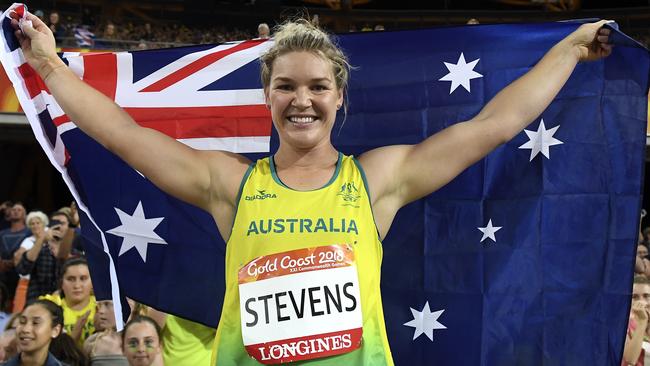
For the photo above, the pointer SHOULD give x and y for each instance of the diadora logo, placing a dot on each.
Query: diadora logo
(350, 194)
(261, 195)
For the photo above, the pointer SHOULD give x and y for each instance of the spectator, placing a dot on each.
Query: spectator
(8, 345)
(642, 264)
(65, 350)
(38, 255)
(263, 31)
(10, 240)
(379, 28)
(56, 27)
(109, 31)
(76, 299)
(5, 213)
(104, 316)
(105, 349)
(39, 323)
(634, 352)
(141, 342)
(472, 21)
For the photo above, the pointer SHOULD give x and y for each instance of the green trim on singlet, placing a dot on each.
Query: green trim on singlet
(277, 180)
(365, 183)
(241, 189)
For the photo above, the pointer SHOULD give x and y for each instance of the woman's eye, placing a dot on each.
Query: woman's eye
(284, 87)
(320, 87)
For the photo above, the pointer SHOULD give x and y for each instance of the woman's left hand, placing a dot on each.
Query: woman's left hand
(591, 41)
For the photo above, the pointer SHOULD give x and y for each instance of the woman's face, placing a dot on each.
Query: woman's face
(36, 225)
(76, 284)
(141, 344)
(104, 315)
(35, 330)
(304, 99)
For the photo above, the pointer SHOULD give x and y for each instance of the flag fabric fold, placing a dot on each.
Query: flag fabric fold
(525, 258)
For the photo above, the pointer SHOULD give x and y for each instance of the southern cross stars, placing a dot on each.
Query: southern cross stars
(489, 230)
(137, 231)
(541, 140)
(461, 73)
(425, 321)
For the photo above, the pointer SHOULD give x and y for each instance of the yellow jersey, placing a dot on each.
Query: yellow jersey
(302, 274)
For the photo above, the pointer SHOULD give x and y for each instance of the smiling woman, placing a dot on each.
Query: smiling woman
(38, 324)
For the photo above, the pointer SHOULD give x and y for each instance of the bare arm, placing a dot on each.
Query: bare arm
(634, 342)
(191, 175)
(401, 174)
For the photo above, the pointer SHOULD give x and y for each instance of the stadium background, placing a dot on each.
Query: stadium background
(26, 173)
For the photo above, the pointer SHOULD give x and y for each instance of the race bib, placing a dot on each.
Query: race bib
(301, 304)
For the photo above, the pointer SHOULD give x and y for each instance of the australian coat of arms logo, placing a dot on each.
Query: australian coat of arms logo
(350, 194)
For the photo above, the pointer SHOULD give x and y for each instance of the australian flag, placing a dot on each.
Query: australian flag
(525, 258)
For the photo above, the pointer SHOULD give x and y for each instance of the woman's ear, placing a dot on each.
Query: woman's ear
(267, 101)
(56, 330)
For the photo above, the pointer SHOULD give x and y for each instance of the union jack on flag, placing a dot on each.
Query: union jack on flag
(525, 258)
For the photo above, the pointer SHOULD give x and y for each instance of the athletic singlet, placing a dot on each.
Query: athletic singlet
(302, 274)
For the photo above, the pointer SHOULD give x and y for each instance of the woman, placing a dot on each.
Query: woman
(141, 342)
(314, 195)
(636, 348)
(78, 302)
(38, 255)
(39, 323)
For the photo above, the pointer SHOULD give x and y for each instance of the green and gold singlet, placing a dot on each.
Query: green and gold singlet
(302, 274)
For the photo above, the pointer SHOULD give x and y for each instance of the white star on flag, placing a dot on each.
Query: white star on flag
(137, 231)
(489, 230)
(461, 73)
(541, 140)
(425, 321)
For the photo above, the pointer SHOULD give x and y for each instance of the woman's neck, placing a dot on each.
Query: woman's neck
(314, 158)
(306, 170)
(34, 358)
(77, 305)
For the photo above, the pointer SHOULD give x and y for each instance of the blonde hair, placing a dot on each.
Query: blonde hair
(301, 35)
(37, 215)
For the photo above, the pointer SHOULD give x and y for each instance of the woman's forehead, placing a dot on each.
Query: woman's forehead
(300, 65)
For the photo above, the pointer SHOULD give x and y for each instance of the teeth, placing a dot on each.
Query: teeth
(301, 119)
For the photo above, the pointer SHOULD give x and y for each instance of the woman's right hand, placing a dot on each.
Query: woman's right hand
(38, 45)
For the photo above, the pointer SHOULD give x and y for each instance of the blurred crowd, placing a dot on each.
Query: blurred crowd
(48, 311)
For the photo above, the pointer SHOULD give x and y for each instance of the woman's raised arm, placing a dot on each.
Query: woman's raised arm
(398, 175)
(191, 175)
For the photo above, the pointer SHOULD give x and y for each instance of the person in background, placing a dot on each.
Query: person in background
(141, 342)
(10, 240)
(5, 212)
(56, 27)
(637, 351)
(65, 350)
(8, 345)
(263, 31)
(642, 264)
(76, 299)
(38, 256)
(105, 349)
(39, 323)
